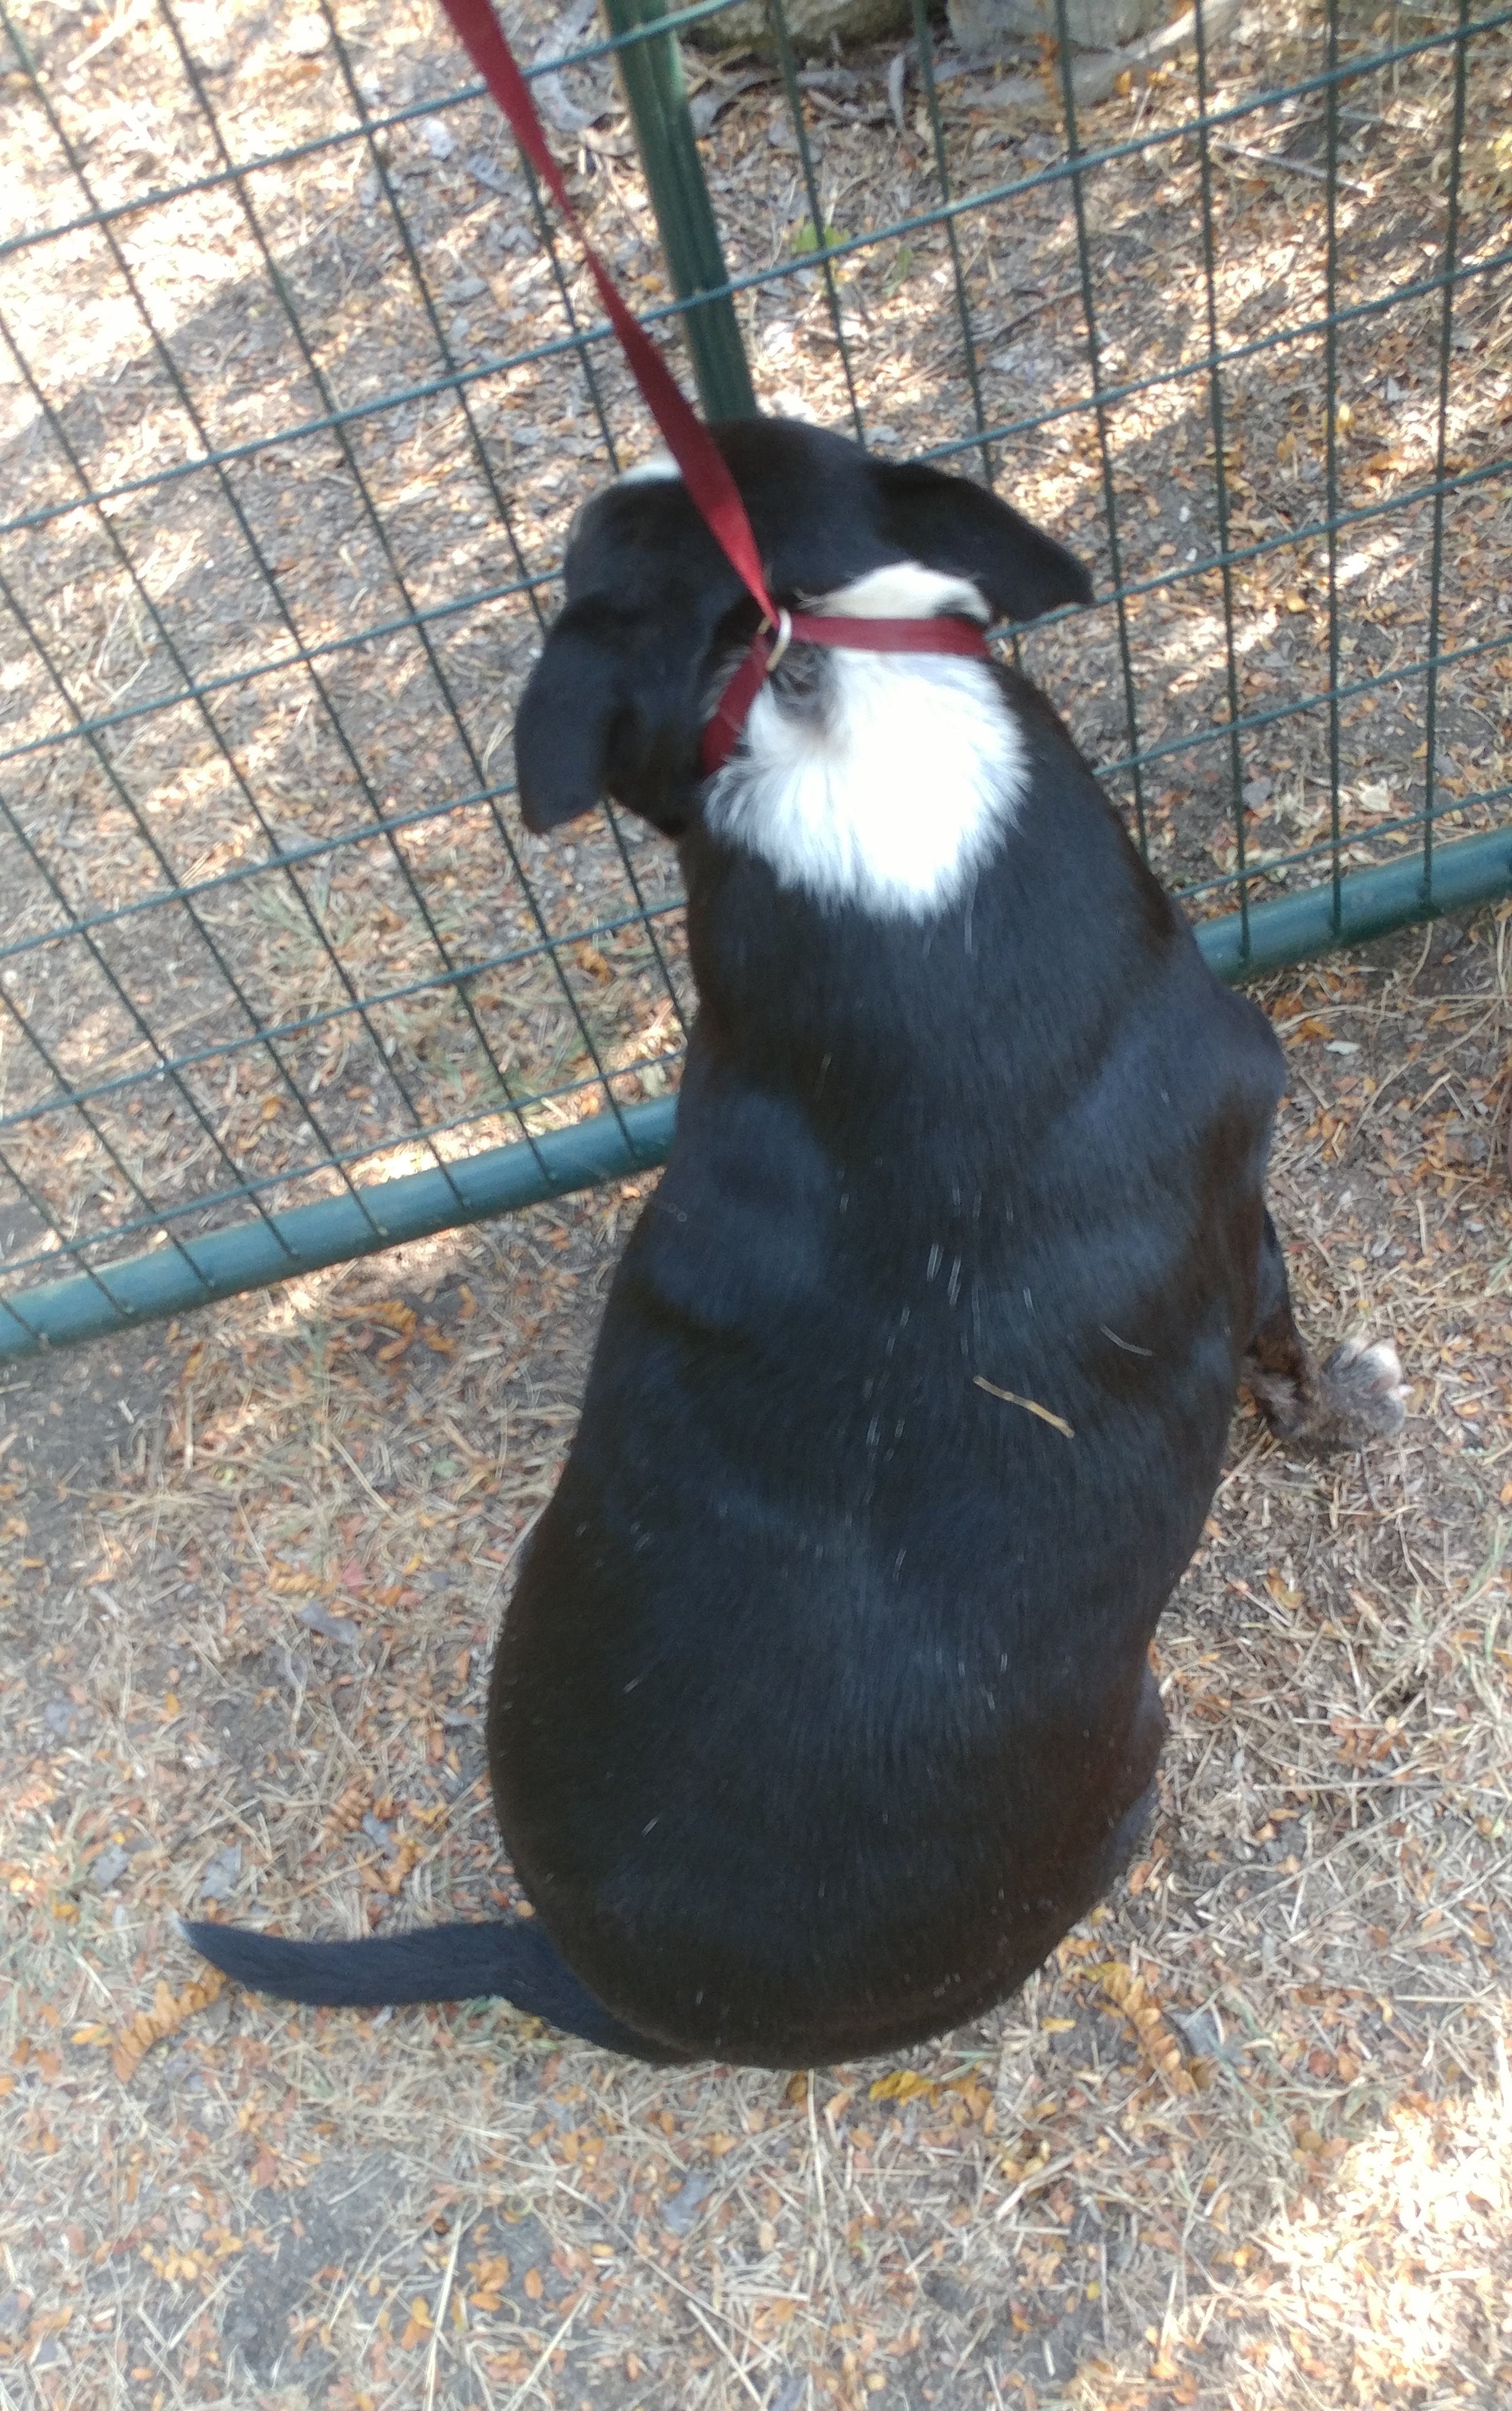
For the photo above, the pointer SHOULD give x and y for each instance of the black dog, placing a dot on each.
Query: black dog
(822, 1707)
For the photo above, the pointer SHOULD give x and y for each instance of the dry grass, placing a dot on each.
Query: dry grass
(1245, 2143)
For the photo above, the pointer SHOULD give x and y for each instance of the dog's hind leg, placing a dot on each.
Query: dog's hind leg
(1134, 1786)
(1357, 1395)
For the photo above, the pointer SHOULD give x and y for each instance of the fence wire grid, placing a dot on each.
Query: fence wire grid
(299, 387)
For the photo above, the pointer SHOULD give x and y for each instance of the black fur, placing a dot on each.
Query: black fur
(822, 1706)
(616, 701)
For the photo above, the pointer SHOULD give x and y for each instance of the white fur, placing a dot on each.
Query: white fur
(895, 802)
(651, 471)
(905, 590)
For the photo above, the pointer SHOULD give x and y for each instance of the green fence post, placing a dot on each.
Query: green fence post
(652, 73)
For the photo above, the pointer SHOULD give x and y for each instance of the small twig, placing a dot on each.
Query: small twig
(382, 1504)
(1244, 1462)
(177, 2338)
(441, 2313)
(984, 2320)
(817, 2167)
(124, 24)
(256, 1544)
(1017, 54)
(719, 2345)
(897, 77)
(1167, 2322)
(1031, 1405)
(359, 1867)
(1036, 309)
(520, 2391)
(1036, 2178)
(1129, 1347)
(1296, 166)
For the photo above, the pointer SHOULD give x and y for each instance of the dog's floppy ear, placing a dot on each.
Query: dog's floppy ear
(575, 693)
(950, 524)
(611, 709)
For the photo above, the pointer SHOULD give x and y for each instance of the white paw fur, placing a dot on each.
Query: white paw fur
(1369, 1366)
(1362, 1384)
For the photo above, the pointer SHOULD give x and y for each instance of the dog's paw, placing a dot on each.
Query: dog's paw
(1287, 1400)
(1357, 1396)
(1362, 1393)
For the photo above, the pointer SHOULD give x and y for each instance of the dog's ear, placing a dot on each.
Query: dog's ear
(612, 708)
(950, 524)
(574, 694)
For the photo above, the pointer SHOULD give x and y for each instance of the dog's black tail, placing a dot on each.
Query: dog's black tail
(514, 1959)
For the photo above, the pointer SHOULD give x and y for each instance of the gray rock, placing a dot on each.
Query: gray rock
(1200, 2033)
(219, 1880)
(488, 172)
(811, 23)
(681, 2208)
(108, 1868)
(1097, 60)
(14, 2316)
(65, 1718)
(1025, 361)
(312, 1616)
(1093, 24)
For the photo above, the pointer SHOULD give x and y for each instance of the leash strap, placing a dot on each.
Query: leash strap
(728, 718)
(706, 474)
(702, 464)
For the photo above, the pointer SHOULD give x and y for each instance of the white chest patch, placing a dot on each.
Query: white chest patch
(894, 794)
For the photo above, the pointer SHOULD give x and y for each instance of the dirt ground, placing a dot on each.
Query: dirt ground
(1245, 2143)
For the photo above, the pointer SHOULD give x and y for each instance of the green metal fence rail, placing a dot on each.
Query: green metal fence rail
(282, 981)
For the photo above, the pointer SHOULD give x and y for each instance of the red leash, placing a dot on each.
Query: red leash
(768, 646)
(705, 472)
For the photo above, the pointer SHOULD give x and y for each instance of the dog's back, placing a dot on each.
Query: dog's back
(825, 1681)
(823, 1706)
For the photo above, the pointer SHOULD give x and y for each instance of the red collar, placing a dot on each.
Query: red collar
(768, 644)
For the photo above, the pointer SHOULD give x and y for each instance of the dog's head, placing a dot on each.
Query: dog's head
(615, 705)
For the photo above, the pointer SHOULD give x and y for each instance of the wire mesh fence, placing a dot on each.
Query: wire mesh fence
(300, 388)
